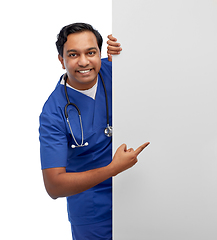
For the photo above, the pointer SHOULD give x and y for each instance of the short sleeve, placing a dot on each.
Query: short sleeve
(53, 140)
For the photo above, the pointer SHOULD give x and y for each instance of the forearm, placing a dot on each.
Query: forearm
(58, 183)
(65, 184)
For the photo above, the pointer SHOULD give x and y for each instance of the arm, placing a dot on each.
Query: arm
(59, 183)
(114, 48)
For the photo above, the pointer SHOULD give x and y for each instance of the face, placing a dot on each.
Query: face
(81, 59)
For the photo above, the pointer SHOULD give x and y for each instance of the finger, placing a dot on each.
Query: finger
(112, 38)
(111, 48)
(140, 148)
(112, 43)
(113, 52)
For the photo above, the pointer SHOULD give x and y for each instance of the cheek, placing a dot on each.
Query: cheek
(98, 64)
(69, 65)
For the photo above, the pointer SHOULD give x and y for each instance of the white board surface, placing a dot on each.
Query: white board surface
(165, 92)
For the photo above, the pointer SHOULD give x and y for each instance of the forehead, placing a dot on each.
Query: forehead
(80, 41)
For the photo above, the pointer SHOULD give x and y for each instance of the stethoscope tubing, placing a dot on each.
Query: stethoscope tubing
(108, 129)
(106, 99)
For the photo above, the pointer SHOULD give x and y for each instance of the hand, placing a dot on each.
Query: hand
(125, 158)
(114, 48)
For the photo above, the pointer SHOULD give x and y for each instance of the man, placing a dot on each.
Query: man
(81, 171)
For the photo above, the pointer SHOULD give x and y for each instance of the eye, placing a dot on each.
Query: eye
(92, 53)
(73, 55)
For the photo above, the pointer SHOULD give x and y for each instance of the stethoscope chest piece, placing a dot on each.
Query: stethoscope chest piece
(108, 131)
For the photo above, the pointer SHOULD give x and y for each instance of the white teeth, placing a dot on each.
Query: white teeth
(86, 71)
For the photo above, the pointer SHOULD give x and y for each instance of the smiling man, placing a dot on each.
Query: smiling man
(78, 111)
(81, 59)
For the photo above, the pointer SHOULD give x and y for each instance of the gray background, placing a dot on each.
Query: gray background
(165, 92)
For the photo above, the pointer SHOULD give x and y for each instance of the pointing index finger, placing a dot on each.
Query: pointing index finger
(140, 148)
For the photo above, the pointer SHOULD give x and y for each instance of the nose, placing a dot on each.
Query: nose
(83, 60)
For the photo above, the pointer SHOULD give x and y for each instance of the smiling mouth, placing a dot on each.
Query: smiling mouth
(84, 71)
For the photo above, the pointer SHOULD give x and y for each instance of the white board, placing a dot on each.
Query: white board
(165, 92)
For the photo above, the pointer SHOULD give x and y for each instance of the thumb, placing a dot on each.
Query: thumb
(109, 57)
(123, 147)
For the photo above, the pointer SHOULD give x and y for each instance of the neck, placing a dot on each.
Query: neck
(80, 86)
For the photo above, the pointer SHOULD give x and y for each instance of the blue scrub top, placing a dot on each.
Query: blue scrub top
(95, 204)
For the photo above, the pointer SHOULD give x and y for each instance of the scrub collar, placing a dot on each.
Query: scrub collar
(89, 92)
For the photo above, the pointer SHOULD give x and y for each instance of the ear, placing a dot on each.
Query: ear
(61, 61)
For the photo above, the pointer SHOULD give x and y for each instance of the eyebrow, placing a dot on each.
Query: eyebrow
(73, 50)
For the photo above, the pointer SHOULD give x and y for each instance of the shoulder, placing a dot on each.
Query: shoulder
(56, 99)
(52, 113)
(51, 119)
(106, 68)
(106, 64)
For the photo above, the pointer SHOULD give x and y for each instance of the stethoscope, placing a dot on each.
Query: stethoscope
(108, 129)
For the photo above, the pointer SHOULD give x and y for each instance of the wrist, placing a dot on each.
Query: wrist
(111, 170)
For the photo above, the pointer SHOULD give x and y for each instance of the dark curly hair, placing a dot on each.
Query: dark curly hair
(75, 28)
